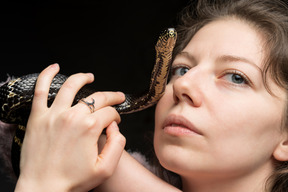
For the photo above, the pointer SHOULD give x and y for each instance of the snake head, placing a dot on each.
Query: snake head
(167, 40)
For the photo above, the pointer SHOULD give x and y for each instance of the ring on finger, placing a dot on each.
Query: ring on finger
(89, 104)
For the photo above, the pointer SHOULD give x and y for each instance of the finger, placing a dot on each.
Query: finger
(101, 119)
(42, 87)
(70, 88)
(99, 100)
(110, 155)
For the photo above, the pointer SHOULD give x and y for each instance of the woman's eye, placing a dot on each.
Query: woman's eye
(237, 77)
(179, 71)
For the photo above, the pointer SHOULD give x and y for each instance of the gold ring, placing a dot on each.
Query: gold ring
(89, 104)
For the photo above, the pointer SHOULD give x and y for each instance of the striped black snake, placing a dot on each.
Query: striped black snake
(16, 95)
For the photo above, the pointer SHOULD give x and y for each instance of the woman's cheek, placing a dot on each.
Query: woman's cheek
(163, 106)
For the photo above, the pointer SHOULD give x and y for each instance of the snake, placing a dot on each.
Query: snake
(16, 95)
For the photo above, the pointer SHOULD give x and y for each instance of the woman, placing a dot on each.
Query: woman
(221, 125)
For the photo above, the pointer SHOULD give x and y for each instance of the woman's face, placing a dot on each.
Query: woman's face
(216, 115)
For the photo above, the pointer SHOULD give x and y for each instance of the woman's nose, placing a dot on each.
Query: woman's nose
(187, 88)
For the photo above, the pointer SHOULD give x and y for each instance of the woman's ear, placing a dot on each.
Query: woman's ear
(281, 151)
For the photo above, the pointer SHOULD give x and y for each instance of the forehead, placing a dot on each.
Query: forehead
(228, 37)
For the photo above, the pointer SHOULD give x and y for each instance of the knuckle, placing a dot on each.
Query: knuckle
(90, 124)
(76, 76)
(117, 115)
(111, 110)
(68, 85)
(93, 125)
(123, 140)
(73, 80)
(40, 93)
(113, 113)
(120, 139)
(102, 96)
(67, 118)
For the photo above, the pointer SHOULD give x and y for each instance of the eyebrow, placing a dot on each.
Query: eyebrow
(223, 58)
(233, 58)
(186, 55)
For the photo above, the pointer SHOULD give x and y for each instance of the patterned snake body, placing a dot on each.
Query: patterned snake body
(16, 95)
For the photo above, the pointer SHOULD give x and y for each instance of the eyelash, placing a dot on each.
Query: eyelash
(247, 81)
(175, 67)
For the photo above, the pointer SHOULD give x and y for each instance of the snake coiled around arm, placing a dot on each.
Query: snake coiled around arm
(16, 95)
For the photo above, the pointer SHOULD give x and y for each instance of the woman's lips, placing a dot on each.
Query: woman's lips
(179, 125)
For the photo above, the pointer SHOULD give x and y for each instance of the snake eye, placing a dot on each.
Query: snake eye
(172, 32)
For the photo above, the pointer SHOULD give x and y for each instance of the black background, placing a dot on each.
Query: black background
(112, 39)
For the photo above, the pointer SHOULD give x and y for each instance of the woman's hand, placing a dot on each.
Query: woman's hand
(136, 177)
(60, 151)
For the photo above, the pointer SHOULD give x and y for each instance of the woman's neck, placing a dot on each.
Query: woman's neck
(252, 182)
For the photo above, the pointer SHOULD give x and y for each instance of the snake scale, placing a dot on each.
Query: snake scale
(16, 95)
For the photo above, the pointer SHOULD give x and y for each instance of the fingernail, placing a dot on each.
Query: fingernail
(121, 94)
(55, 65)
(91, 75)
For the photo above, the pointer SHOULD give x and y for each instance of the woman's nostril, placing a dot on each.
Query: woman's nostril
(187, 99)
(176, 99)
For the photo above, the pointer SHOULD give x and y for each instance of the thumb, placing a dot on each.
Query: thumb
(109, 157)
